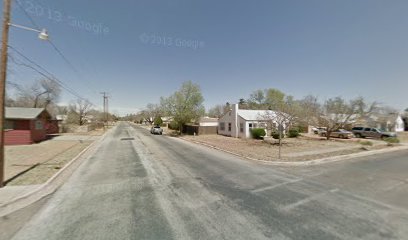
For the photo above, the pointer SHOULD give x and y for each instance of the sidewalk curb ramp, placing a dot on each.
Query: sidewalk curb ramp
(52, 184)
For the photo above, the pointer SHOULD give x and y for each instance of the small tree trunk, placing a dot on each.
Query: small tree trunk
(280, 144)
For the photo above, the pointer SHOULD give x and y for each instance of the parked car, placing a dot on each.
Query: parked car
(318, 130)
(340, 133)
(371, 132)
(156, 130)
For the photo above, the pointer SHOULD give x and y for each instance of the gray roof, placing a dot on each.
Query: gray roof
(23, 113)
(208, 119)
(254, 115)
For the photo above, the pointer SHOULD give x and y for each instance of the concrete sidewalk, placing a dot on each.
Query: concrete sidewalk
(8, 193)
(13, 198)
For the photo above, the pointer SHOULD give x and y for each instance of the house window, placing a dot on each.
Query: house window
(38, 125)
(9, 124)
(241, 127)
(222, 126)
(229, 127)
(252, 125)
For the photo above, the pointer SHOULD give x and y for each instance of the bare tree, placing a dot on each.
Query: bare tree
(151, 112)
(337, 113)
(217, 111)
(285, 115)
(40, 94)
(79, 111)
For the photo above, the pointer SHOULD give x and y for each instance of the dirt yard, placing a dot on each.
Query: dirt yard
(36, 163)
(403, 137)
(293, 149)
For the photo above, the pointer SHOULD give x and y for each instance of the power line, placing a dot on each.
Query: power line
(63, 57)
(37, 65)
(26, 14)
(48, 77)
(66, 60)
(47, 74)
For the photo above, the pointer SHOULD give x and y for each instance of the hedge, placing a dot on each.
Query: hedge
(258, 133)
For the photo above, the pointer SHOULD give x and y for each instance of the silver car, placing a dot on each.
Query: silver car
(371, 132)
(340, 133)
(156, 130)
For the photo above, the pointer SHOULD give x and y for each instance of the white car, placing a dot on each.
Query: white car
(156, 130)
(318, 130)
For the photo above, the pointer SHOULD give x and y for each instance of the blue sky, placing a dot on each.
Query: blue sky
(141, 50)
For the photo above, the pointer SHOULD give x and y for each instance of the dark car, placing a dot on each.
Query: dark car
(363, 132)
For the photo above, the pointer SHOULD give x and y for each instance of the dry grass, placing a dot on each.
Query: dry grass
(40, 161)
(45, 170)
(403, 137)
(293, 149)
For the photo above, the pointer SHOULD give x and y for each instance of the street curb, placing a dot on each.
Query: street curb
(306, 162)
(52, 184)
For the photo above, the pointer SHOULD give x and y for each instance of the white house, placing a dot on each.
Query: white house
(239, 122)
(399, 124)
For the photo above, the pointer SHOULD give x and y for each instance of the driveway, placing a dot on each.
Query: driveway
(158, 187)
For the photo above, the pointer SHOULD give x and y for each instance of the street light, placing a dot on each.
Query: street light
(43, 35)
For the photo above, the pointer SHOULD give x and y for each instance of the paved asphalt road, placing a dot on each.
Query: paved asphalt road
(158, 187)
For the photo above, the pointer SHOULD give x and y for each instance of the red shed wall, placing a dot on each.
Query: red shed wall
(17, 137)
(38, 135)
(26, 131)
(52, 127)
(21, 124)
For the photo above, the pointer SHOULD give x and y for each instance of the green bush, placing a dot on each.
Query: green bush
(301, 128)
(173, 125)
(258, 133)
(275, 135)
(293, 133)
(391, 140)
(158, 121)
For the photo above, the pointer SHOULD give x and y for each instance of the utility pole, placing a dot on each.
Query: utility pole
(105, 107)
(3, 77)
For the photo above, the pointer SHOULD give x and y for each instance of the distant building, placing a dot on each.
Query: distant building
(204, 126)
(26, 125)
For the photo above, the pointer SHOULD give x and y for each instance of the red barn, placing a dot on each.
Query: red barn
(25, 125)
